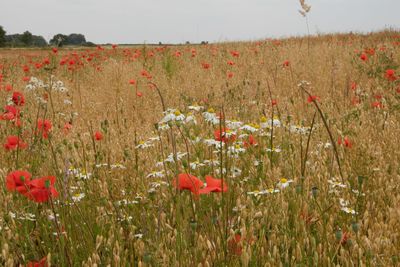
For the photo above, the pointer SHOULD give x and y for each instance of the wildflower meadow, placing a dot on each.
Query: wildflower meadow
(277, 152)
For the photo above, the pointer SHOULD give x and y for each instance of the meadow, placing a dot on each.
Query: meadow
(277, 152)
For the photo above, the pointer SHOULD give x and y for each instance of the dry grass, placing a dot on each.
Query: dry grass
(128, 219)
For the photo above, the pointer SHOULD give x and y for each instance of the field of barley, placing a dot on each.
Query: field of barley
(266, 153)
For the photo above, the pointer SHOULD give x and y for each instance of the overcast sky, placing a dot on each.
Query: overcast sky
(139, 21)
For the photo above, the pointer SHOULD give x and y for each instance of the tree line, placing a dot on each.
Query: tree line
(27, 39)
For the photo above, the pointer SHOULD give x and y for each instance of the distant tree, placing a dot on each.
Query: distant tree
(2, 36)
(38, 40)
(76, 39)
(59, 40)
(27, 38)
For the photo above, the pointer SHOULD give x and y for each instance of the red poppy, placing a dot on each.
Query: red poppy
(312, 98)
(46, 61)
(25, 79)
(44, 127)
(225, 135)
(230, 74)
(18, 181)
(186, 181)
(67, 127)
(345, 142)
(390, 75)
(231, 63)
(370, 51)
(353, 86)
(205, 65)
(41, 263)
(345, 238)
(132, 81)
(377, 104)
(286, 63)
(98, 136)
(235, 53)
(234, 245)
(355, 100)
(214, 185)
(55, 50)
(38, 65)
(146, 74)
(8, 87)
(10, 113)
(18, 99)
(114, 46)
(42, 189)
(25, 68)
(139, 94)
(363, 57)
(250, 142)
(274, 102)
(14, 142)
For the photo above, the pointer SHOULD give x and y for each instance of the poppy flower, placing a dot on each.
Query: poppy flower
(186, 181)
(18, 99)
(345, 142)
(234, 245)
(46, 61)
(235, 53)
(214, 185)
(25, 79)
(206, 66)
(390, 75)
(353, 86)
(132, 81)
(274, 102)
(312, 98)
(345, 238)
(286, 63)
(363, 57)
(8, 87)
(25, 68)
(40, 263)
(139, 94)
(98, 136)
(42, 189)
(114, 46)
(230, 74)
(55, 50)
(44, 127)
(225, 135)
(377, 104)
(370, 51)
(250, 142)
(145, 74)
(67, 127)
(355, 100)
(231, 63)
(10, 113)
(14, 142)
(18, 181)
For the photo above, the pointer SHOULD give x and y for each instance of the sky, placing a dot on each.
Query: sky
(178, 21)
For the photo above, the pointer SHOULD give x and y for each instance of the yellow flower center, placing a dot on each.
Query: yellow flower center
(211, 110)
(263, 119)
(283, 180)
(177, 113)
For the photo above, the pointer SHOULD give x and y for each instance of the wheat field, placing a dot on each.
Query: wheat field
(266, 153)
